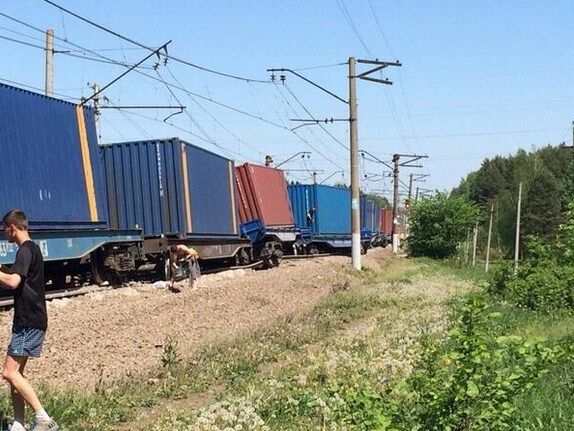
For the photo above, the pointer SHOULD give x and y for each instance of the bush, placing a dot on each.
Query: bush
(471, 381)
(439, 224)
(545, 279)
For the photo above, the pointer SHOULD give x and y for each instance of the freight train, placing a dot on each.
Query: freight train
(105, 211)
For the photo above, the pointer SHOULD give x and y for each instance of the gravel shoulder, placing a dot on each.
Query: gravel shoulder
(121, 332)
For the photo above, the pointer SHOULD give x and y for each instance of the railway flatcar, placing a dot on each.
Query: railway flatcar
(50, 170)
(325, 211)
(265, 212)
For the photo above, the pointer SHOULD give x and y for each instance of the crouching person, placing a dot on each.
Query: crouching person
(25, 278)
(183, 264)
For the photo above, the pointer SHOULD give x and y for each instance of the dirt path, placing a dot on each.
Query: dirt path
(122, 331)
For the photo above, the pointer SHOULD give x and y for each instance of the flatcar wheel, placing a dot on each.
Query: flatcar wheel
(313, 250)
(100, 273)
(276, 257)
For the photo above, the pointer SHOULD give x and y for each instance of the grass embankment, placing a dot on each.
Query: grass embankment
(394, 351)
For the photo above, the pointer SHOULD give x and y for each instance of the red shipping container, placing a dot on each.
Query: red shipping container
(386, 222)
(263, 195)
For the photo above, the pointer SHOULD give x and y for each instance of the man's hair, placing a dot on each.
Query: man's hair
(17, 218)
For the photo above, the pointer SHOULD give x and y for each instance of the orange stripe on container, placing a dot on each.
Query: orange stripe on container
(186, 188)
(232, 195)
(87, 164)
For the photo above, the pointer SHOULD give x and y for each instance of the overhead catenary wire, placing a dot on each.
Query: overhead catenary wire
(311, 115)
(209, 99)
(308, 143)
(40, 90)
(193, 121)
(149, 48)
(351, 23)
(63, 52)
(25, 24)
(217, 121)
(402, 85)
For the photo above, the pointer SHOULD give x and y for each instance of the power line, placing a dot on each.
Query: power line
(316, 137)
(311, 115)
(322, 66)
(384, 36)
(215, 118)
(181, 88)
(40, 90)
(25, 24)
(352, 25)
(67, 53)
(141, 45)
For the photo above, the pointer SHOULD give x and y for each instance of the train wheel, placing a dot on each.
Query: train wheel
(242, 258)
(102, 274)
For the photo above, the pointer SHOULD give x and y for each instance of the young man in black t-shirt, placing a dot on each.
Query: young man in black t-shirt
(26, 279)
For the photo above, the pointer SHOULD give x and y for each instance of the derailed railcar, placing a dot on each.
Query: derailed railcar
(50, 169)
(265, 212)
(177, 193)
(324, 211)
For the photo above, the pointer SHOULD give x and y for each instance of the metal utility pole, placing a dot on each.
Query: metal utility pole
(314, 177)
(417, 195)
(96, 99)
(353, 132)
(49, 72)
(517, 239)
(396, 164)
(395, 230)
(415, 178)
(489, 238)
(474, 243)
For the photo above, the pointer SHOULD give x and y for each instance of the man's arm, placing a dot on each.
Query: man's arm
(19, 269)
(10, 281)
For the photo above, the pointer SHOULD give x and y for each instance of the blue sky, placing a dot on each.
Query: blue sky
(478, 78)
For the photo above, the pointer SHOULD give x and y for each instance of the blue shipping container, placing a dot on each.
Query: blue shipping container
(326, 210)
(370, 215)
(170, 187)
(50, 161)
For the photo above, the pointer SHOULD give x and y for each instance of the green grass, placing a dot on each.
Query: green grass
(549, 405)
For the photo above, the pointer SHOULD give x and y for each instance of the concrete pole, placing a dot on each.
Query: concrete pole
(395, 236)
(474, 243)
(517, 239)
(49, 72)
(410, 187)
(489, 238)
(355, 198)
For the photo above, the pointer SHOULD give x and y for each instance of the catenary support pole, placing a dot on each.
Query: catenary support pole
(489, 238)
(49, 72)
(395, 237)
(474, 243)
(517, 239)
(353, 133)
(410, 187)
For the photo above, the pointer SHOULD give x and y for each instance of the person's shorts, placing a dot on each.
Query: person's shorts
(26, 341)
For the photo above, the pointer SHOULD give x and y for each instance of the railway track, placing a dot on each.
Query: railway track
(7, 301)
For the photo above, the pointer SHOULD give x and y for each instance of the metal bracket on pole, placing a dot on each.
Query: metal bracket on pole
(156, 52)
